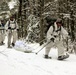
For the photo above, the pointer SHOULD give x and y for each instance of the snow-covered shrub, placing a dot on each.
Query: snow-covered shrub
(33, 29)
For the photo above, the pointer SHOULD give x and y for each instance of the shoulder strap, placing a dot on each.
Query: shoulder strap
(58, 29)
(53, 28)
(0, 25)
(15, 24)
(9, 24)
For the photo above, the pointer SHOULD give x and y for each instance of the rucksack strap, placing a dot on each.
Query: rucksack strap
(58, 29)
(53, 28)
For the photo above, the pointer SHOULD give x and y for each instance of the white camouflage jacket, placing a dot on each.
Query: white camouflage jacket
(51, 33)
(13, 25)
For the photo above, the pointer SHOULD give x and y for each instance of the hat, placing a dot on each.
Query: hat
(11, 16)
(59, 20)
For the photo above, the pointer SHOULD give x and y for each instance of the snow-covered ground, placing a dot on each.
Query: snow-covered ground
(13, 62)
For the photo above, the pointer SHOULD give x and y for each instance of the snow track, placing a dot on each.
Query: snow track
(13, 62)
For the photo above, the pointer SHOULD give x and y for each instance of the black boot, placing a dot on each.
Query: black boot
(9, 47)
(13, 44)
(47, 57)
(3, 43)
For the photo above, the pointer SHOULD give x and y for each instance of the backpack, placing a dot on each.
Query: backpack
(49, 22)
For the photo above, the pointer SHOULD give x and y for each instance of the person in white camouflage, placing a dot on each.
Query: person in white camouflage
(12, 28)
(56, 37)
(2, 32)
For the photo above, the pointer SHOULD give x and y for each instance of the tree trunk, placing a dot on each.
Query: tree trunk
(41, 20)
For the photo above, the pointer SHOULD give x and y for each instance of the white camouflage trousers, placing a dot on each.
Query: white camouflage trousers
(12, 37)
(58, 44)
(2, 35)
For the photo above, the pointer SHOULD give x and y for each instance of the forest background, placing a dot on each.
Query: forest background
(31, 14)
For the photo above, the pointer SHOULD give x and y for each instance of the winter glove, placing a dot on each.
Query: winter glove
(9, 27)
(6, 30)
(17, 29)
(52, 39)
(41, 43)
(55, 36)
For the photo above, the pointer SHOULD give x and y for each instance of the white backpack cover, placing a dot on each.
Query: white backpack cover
(22, 46)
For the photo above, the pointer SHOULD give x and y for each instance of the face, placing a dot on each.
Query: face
(59, 24)
(11, 18)
(1, 21)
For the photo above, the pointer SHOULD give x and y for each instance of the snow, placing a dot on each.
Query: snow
(14, 62)
(11, 4)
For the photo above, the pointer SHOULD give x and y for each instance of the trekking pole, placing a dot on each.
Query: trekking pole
(67, 44)
(43, 47)
(38, 45)
(35, 45)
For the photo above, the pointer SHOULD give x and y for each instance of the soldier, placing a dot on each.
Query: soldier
(55, 36)
(12, 28)
(2, 32)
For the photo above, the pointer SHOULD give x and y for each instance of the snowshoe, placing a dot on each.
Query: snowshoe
(63, 57)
